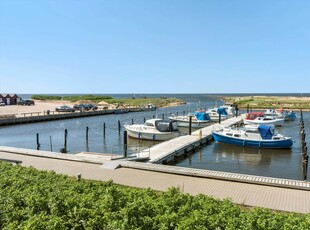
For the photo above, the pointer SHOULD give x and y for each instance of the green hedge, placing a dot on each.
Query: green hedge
(32, 199)
(46, 98)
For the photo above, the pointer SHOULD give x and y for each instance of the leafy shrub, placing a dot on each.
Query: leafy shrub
(33, 199)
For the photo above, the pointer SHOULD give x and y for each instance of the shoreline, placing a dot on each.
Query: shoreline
(270, 102)
(40, 107)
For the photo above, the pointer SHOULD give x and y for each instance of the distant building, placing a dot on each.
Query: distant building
(9, 99)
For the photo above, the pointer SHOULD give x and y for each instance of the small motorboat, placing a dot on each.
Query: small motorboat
(121, 111)
(199, 119)
(260, 136)
(280, 113)
(287, 115)
(148, 107)
(258, 118)
(230, 109)
(154, 129)
(215, 114)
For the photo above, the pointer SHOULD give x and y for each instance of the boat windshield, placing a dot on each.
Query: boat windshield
(166, 126)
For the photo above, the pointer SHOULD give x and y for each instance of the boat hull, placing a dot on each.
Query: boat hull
(287, 143)
(277, 122)
(290, 117)
(194, 124)
(185, 123)
(151, 136)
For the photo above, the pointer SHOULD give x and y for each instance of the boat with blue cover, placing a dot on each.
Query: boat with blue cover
(216, 113)
(261, 136)
(199, 119)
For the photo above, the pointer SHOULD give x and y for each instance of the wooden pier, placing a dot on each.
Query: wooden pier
(170, 150)
(13, 120)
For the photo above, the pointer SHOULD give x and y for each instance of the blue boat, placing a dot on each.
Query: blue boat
(121, 111)
(261, 136)
(289, 116)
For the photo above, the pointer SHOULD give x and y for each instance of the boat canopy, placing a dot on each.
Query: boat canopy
(202, 116)
(265, 132)
(222, 111)
(166, 126)
(253, 115)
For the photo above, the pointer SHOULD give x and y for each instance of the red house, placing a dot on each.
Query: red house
(9, 99)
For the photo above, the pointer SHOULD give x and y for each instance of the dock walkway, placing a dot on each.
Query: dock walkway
(287, 195)
(176, 147)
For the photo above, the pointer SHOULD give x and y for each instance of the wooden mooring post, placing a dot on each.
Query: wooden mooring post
(304, 149)
(64, 149)
(119, 126)
(38, 142)
(125, 143)
(51, 145)
(104, 130)
(87, 130)
(190, 126)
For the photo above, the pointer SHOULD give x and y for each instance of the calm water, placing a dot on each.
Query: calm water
(221, 157)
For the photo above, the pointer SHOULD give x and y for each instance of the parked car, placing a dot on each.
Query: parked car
(85, 107)
(90, 107)
(64, 108)
(25, 102)
(78, 107)
(2, 103)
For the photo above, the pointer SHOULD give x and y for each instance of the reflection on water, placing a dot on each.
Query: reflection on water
(281, 163)
(250, 156)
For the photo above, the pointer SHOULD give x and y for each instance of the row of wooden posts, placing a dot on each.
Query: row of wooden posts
(64, 149)
(304, 149)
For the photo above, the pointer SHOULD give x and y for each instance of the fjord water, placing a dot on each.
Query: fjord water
(281, 163)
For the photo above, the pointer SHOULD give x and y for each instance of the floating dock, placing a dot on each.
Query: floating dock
(170, 150)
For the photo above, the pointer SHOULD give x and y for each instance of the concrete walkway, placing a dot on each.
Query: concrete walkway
(276, 198)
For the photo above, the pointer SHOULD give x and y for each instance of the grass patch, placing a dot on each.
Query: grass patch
(270, 102)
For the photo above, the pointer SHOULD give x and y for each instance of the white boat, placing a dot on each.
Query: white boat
(258, 118)
(148, 107)
(154, 129)
(215, 113)
(270, 112)
(199, 120)
(261, 136)
(230, 109)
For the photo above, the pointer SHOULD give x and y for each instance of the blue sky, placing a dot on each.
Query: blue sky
(154, 46)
